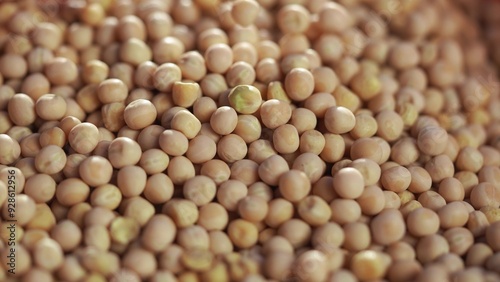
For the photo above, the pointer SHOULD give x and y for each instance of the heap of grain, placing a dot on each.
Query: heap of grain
(268, 140)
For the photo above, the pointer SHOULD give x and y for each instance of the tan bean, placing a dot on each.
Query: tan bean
(83, 137)
(48, 254)
(95, 170)
(431, 247)
(274, 113)
(50, 159)
(422, 222)
(345, 211)
(10, 149)
(231, 148)
(348, 183)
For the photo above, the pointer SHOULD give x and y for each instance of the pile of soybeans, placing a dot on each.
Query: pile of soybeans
(249, 141)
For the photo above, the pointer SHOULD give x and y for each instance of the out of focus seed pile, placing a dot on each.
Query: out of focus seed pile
(249, 140)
